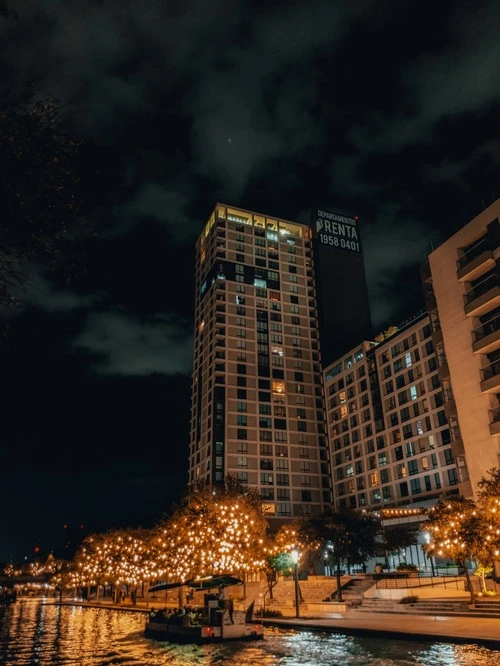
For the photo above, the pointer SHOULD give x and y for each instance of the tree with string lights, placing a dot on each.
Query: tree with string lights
(216, 530)
(278, 554)
(457, 531)
(115, 558)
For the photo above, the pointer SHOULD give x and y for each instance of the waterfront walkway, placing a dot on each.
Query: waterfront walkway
(455, 629)
(414, 627)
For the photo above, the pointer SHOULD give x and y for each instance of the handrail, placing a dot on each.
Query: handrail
(477, 249)
(491, 370)
(495, 414)
(487, 328)
(404, 580)
(481, 288)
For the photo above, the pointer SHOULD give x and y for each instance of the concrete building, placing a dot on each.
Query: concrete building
(391, 443)
(462, 287)
(257, 395)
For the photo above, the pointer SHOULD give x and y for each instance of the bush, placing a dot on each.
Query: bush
(404, 566)
(411, 599)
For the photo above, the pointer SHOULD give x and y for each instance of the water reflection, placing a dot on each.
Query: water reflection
(37, 634)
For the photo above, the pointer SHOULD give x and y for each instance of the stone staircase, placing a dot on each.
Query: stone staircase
(451, 607)
(489, 607)
(353, 590)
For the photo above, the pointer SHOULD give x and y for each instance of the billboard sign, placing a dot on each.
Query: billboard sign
(338, 231)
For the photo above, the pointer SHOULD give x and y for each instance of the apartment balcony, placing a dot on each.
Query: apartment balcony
(457, 443)
(486, 338)
(450, 407)
(478, 260)
(495, 421)
(490, 378)
(483, 297)
(443, 369)
(437, 334)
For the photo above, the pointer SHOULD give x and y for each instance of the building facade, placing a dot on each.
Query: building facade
(390, 439)
(462, 287)
(257, 401)
(341, 290)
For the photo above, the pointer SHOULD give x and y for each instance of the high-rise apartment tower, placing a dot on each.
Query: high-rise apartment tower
(257, 397)
(392, 443)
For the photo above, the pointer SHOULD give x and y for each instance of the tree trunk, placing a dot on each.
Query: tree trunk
(339, 585)
(469, 583)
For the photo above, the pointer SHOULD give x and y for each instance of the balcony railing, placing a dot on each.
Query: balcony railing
(495, 415)
(491, 370)
(486, 329)
(481, 288)
(448, 395)
(481, 246)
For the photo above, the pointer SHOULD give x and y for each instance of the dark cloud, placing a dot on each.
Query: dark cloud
(125, 344)
(461, 77)
(39, 292)
(258, 104)
(160, 203)
(392, 242)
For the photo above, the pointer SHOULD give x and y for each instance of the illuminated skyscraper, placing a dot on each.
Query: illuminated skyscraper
(262, 286)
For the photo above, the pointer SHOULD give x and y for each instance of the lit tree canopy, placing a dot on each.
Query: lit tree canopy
(116, 557)
(489, 494)
(215, 531)
(458, 531)
(286, 539)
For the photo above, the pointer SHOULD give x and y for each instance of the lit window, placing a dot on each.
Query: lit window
(278, 388)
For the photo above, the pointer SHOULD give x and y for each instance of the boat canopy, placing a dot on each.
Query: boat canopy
(206, 583)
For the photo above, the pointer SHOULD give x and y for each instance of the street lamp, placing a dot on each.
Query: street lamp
(295, 560)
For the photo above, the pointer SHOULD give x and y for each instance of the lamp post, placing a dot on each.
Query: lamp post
(295, 560)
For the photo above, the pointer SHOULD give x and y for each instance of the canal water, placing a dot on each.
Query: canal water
(33, 633)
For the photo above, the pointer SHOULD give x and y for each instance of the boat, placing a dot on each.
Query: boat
(215, 621)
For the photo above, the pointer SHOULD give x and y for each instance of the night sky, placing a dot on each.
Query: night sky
(378, 108)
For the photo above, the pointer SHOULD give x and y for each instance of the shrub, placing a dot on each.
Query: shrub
(404, 566)
(410, 599)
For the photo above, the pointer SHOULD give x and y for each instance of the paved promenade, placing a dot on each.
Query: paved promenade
(453, 629)
(485, 631)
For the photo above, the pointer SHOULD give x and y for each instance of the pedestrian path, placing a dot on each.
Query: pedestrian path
(455, 629)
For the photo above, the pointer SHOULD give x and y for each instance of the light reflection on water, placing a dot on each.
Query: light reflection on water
(37, 634)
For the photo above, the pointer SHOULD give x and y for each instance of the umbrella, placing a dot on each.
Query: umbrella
(207, 583)
(213, 581)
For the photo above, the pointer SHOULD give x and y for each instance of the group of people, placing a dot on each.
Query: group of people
(183, 615)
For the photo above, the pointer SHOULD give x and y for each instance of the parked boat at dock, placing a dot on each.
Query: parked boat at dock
(215, 621)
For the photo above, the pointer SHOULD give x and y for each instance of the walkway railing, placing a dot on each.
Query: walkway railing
(401, 580)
